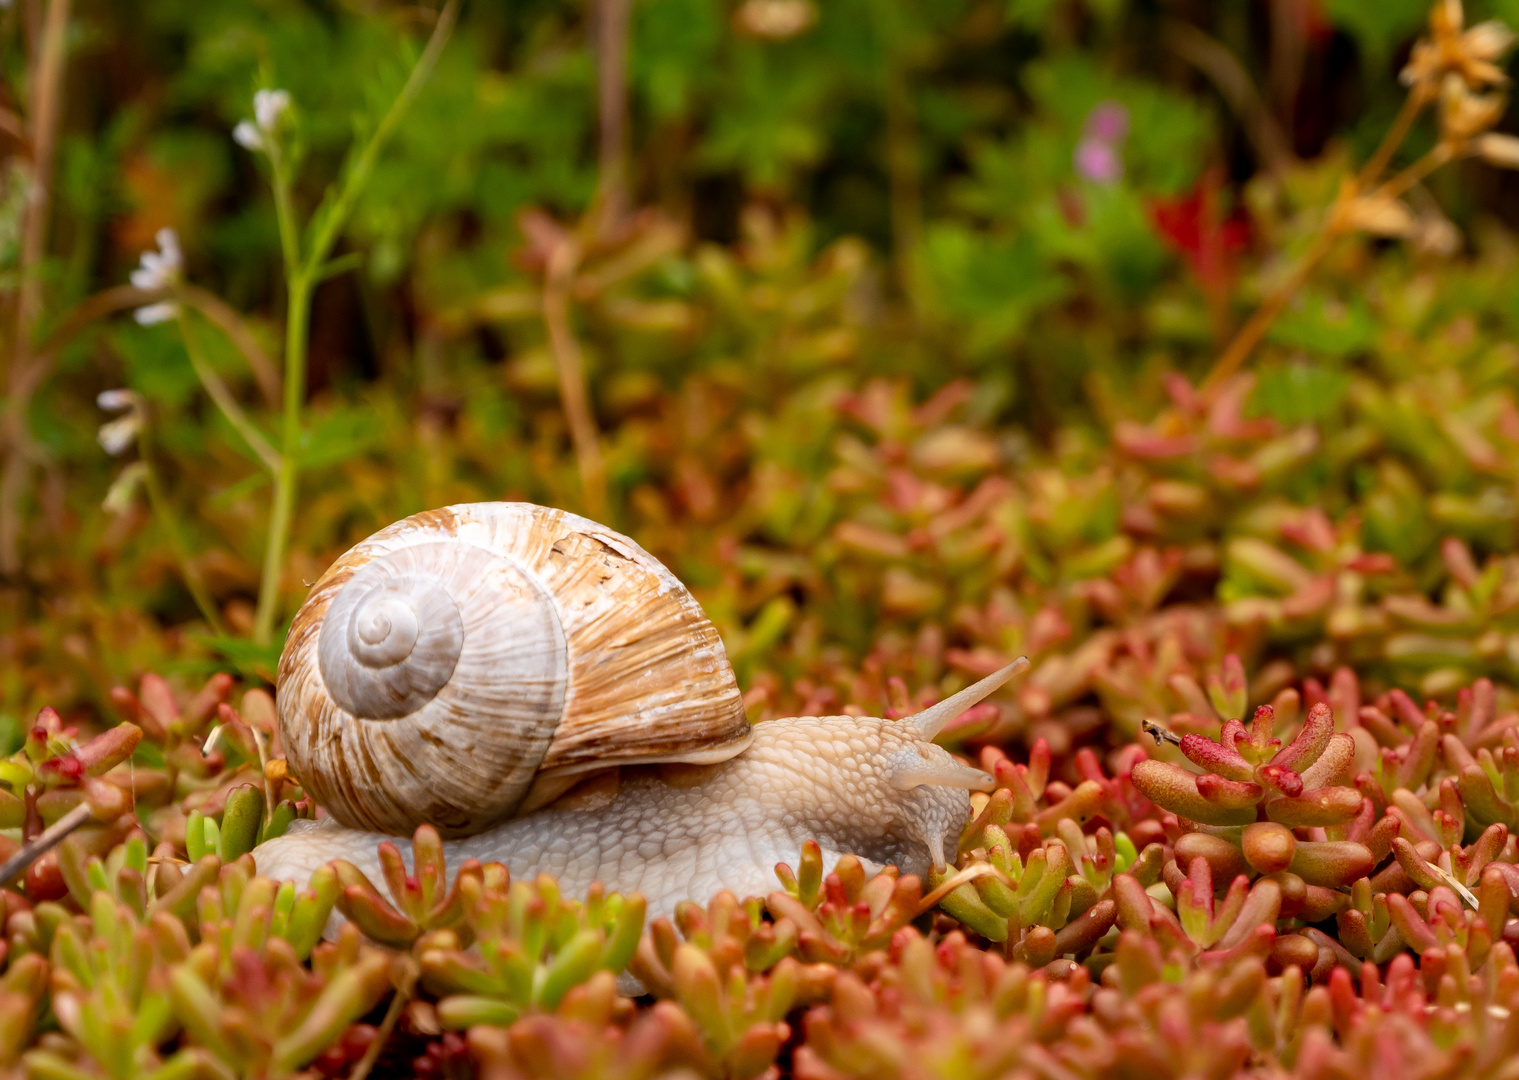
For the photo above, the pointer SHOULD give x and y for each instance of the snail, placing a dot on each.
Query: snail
(547, 695)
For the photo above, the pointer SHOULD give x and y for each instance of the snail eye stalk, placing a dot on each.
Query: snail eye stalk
(932, 719)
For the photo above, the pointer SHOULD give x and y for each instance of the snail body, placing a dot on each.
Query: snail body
(604, 739)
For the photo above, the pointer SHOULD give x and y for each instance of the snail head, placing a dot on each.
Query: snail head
(881, 788)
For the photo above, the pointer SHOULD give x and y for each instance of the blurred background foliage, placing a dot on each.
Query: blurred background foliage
(889, 313)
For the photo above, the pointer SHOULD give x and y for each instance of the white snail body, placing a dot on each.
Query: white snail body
(677, 796)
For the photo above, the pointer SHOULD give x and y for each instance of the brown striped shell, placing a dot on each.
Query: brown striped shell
(453, 668)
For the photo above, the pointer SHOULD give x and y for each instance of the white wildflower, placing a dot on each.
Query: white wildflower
(117, 435)
(152, 314)
(118, 500)
(269, 107)
(247, 136)
(158, 270)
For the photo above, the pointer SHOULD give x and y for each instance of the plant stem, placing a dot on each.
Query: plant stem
(612, 199)
(123, 297)
(329, 218)
(1288, 50)
(953, 882)
(1413, 104)
(1402, 181)
(284, 213)
(44, 842)
(170, 525)
(285, 478)
(218, 392)
(46, 106)
(1255, 327)
(302, 273)
(1238, 91)
(46, 92)
(569, 363)
(398, 1002)
(229, 322)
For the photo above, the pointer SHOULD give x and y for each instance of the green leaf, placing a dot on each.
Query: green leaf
(992, 283)
(1299, 393)
(1378, 27)
(248, 657)
(241, 821)
(1327, 327)
(339, 435)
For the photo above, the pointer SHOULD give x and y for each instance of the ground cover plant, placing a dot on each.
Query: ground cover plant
(1170, 345)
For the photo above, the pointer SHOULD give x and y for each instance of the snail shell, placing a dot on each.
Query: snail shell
(454, 668)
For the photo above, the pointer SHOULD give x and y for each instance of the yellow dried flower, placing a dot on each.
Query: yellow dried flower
(1465, 115)
(1499, 150)
(1449, 49)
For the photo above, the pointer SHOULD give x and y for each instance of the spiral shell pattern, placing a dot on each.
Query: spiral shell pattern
(441, 667)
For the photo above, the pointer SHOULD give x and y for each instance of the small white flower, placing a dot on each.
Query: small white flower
(162, 267)
(118, 500)
(153, 314)
(247, 136)
(117, 435)
(157, 270)
(269, 107)
(116, 400)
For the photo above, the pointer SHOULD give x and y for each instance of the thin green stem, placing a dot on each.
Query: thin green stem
(1255, 328)
(1402, 181)
(302, 272)
(284, 212)
(330, 217)
(569, 362)
(286, 478)
(218, 392)
(1413, 104)
(226, 319)
(164, 512)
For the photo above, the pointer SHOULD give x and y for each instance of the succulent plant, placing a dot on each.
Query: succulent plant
(522, 947)
(421, 899)
(840, 917)
(584, 1041)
